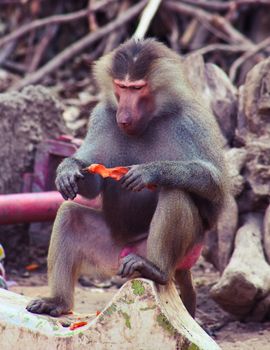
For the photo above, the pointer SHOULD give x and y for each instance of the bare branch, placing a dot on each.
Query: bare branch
(12, 2)
(92, 20)
(41, 47)
(225, 6)
(241, 60)
(80, 45)
(52, 20)
(116, 37)
(15, 67)
(220, 47)
(147, 16)
(217, 21)
(5, 53)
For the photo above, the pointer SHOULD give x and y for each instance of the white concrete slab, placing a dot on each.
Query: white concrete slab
(139, 316)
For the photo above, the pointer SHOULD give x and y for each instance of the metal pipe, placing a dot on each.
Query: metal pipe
(35, 207)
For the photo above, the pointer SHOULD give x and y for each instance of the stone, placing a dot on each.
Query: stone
(245, 282)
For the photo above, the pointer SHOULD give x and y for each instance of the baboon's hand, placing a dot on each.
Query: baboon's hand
(67, 181)
(139, 177)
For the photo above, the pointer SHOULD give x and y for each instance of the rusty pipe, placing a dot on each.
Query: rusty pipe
(35, 207)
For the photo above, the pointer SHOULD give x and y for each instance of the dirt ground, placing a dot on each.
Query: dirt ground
(229, 333)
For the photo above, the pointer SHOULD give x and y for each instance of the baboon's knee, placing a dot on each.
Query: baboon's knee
(67, 208)
(179, 201)
(65, 217)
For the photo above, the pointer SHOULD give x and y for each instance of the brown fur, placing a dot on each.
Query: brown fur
(179, 150)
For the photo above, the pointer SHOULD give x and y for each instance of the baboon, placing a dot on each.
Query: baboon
(150, 120)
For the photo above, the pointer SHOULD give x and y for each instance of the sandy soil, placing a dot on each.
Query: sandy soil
(229, 333)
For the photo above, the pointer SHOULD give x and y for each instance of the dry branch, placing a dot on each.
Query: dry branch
(225, 6)
(56, 19)
(189, 33)
(234, 36)
(220, 47)
(4, 54)
(241, 60)
(245, 281)
(147, 16)
(80, 45)
(14, 67)
(266, 234)
(41, 47)
(92, 20)
(116, 37)
(10, 2)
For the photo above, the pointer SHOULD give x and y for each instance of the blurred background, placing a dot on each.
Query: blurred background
(55, 42)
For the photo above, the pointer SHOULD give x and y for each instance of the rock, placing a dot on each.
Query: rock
(245, 282)
(218, 92)
(235, 159)
(71, 114)
(254, 106)
(266, 234)
(223, 99)
(77, 124)
(226, 230)
(258, 167)
(27, 118)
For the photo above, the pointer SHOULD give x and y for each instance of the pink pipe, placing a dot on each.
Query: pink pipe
(35, 207)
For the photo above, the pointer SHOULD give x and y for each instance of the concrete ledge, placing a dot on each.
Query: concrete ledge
(140, 316)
